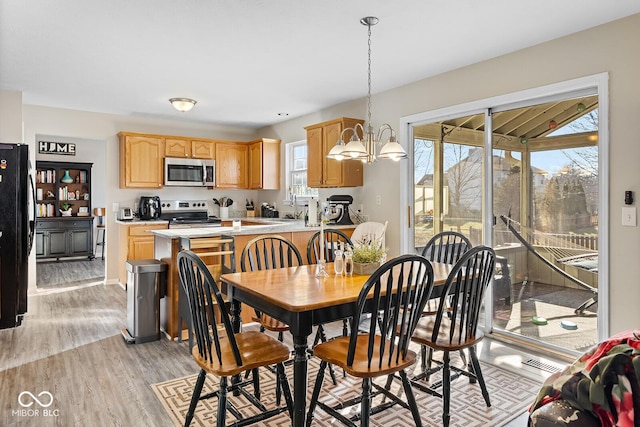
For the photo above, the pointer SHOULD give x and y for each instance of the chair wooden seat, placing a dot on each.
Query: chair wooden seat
(424, 332)
(335, 352)
(270, 323)
(256, 350)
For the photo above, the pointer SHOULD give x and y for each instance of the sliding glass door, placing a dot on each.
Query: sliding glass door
(544, 200)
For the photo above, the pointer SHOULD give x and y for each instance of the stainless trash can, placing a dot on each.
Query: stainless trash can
(144, 287)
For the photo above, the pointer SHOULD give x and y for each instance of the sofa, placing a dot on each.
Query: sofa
(601, 388)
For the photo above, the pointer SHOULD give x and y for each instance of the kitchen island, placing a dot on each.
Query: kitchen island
(169, 242)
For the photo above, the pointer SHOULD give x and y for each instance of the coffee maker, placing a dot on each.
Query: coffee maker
(338, 210)
(149, 207)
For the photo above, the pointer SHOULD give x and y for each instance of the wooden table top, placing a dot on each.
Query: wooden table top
(297, 289)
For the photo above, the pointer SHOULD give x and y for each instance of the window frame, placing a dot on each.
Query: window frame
(290, 170)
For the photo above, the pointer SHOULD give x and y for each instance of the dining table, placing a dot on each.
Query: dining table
(300, 298)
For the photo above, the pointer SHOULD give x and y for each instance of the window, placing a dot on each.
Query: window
(297, 171)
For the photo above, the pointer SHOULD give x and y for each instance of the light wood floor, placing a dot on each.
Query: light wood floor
(70, 346)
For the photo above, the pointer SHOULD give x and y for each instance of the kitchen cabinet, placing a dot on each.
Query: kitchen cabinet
(136, 242)
(239, 165)
(232, 161)
(141, 160)
(324, 172)
(264, 164)
(186, 147)
(64, 238)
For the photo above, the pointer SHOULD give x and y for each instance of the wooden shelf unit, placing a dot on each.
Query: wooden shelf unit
(52, 193)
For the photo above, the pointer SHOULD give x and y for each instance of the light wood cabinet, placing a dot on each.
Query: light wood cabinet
(177, 147)
(203, 149)
(136, 242)
(186, 147)
(232, 161)
(141, 161)
(239, 165)
(264, 164)
(324, 172)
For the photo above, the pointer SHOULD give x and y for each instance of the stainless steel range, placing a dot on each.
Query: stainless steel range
(188, 214)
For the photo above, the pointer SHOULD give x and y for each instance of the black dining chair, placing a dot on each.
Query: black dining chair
(224, 249)
(446, 247)
(397, 291)
(454, 327)
(333, 239)
(222, 352)
(268, 252)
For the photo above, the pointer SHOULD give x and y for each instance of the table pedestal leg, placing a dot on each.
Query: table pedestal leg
(299, 380)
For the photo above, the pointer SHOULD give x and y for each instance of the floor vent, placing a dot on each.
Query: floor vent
(542, 366)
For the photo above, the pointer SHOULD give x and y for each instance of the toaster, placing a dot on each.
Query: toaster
(126, 214)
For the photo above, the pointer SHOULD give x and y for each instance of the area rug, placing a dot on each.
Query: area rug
(510, 396)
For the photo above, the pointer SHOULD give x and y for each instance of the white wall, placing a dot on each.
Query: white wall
(10, 116)
(601, 49)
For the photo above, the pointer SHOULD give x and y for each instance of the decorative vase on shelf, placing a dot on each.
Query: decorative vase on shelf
(65, 213)
(66, 178)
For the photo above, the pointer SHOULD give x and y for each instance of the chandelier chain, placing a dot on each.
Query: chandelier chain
(369, 79)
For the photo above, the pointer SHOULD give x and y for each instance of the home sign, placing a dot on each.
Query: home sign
(66, 148)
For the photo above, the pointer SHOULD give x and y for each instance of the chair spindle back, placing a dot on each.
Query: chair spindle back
(465, 293)
(446, 247)
(397, 291)
(332, 240)
(268, 253)
(203, 295)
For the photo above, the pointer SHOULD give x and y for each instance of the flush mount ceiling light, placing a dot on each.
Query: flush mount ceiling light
(182, 104)
(365, 149)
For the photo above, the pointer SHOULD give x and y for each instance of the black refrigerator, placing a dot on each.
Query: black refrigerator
(17, 223)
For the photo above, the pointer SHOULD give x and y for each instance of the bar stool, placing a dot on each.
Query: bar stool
(100, 214)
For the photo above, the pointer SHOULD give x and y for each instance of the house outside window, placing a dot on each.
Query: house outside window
(297, 172)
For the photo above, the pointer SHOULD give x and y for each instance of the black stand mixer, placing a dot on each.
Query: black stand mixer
(338, 211)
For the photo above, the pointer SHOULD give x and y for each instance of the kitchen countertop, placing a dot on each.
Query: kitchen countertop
(141, 222)
(269, 226)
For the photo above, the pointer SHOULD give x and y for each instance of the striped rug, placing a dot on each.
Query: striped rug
(510, 396)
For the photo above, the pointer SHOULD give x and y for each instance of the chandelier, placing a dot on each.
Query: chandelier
(365, 149)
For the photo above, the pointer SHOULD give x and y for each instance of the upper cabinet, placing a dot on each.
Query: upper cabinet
(186, 147)
(241, 165)
(141, 160)
(264, 164)
(324, 172)
(232, 165)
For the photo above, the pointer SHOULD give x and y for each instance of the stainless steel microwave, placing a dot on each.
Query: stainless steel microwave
(181, 172)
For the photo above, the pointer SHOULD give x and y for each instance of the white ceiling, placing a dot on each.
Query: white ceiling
(245, 61)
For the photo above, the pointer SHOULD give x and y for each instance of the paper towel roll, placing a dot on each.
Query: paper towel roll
(313, 212)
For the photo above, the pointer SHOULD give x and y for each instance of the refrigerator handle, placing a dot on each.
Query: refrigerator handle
(32, 220)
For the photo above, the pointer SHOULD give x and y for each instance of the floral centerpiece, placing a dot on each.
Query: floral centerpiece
(368, 254)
